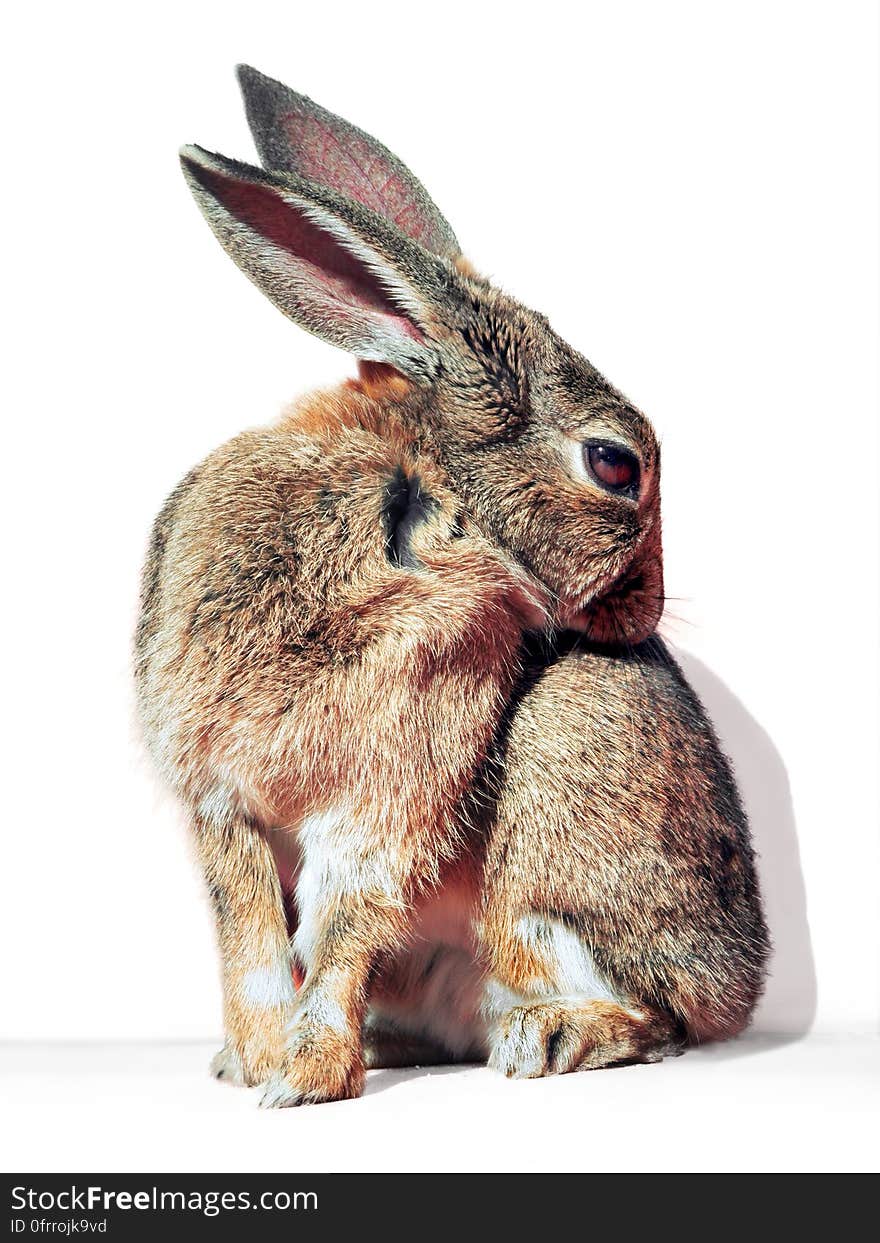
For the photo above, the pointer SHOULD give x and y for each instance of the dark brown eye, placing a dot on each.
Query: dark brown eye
(613, 467)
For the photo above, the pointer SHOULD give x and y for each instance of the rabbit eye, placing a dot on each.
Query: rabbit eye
(616, 469)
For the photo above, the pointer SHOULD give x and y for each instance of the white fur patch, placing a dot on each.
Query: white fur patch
(218, 803)
(263, 987)
(321, 1010)
(570, 970)
(570, 965)
(338, 860)
(498, 999)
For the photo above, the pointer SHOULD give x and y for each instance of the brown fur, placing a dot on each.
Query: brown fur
(484, 842)
(552, 1036)
(617, 816)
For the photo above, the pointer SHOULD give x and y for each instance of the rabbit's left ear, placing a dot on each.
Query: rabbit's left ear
(295, 135)
(328, 263)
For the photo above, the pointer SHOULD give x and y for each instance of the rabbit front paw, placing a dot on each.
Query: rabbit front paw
(320, 1065)
(247, 1067)
(252, 1053)
(228, 1066)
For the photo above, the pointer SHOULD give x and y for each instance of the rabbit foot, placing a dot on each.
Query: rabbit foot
(558, 1035)
(252, 1059)
(319, 1066)
(244, 1070)
(228, 1066)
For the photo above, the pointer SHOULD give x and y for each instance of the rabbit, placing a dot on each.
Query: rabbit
(335, 667)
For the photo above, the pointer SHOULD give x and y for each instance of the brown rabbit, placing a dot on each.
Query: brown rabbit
(332, 675)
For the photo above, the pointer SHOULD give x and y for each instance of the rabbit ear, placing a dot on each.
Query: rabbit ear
(295, 135)
(327, 263)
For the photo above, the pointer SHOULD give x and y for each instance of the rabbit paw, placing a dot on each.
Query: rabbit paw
(252, 1059)
(556, 1036)
(228, 1066)
(319, 1066)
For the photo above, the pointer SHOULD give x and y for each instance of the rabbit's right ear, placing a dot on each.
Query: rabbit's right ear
(327, 263)
(295, 135)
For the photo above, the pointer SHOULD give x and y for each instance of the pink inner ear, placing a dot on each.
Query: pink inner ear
(355, 169)
(338, 275)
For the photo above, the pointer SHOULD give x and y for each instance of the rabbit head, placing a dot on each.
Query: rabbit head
(553, 464)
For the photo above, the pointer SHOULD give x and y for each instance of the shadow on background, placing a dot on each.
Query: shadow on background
(789, 1004)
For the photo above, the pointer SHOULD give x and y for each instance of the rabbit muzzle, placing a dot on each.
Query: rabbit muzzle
(629, 610)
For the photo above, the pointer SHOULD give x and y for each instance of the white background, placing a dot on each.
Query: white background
(688, 190)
